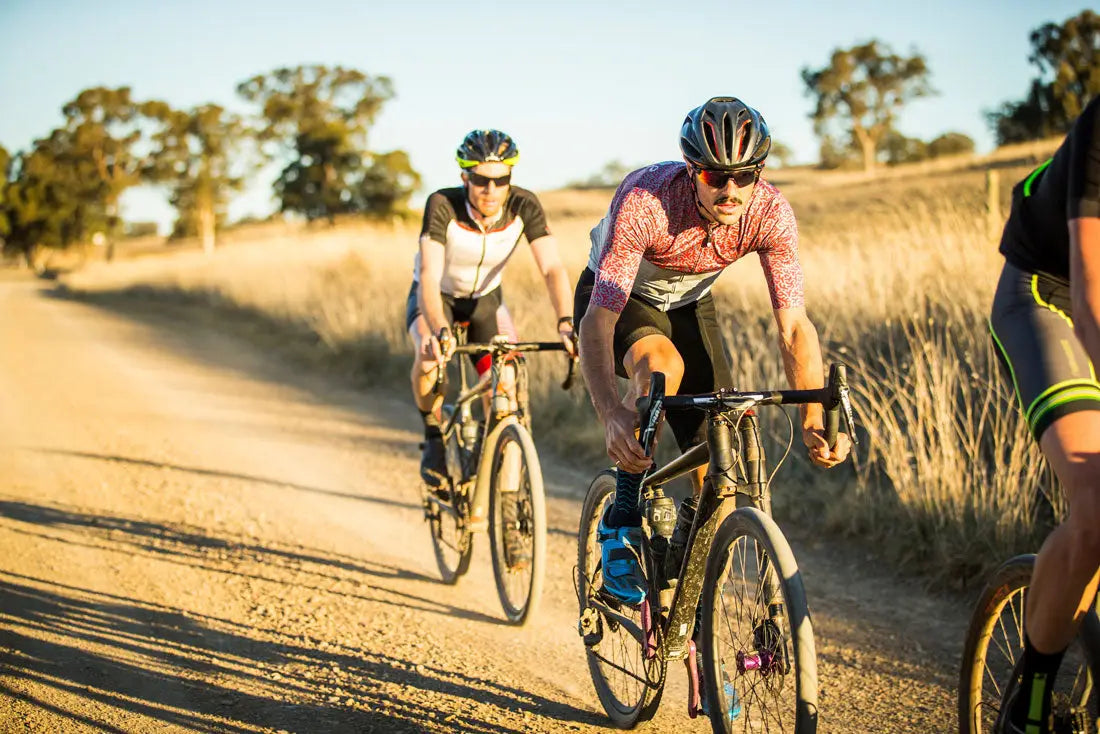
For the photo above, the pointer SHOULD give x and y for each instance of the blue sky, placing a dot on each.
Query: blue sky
(577, 83)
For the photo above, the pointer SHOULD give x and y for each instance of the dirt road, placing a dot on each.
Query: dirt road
(195, 537)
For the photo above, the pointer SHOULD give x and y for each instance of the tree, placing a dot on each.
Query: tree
(1068, 59)
(317, 119)
(5, 172)
(104, 126)
(861, 91)
(951, 143)
(780, 154)
(194, 156)
(608, 177)
(51, 199)
(898, 148)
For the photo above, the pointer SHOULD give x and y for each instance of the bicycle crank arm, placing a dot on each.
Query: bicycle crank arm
(628, 624)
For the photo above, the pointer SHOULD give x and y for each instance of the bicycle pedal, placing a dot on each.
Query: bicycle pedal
(589, 627)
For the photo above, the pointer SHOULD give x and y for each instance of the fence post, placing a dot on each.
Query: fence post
(993, 221)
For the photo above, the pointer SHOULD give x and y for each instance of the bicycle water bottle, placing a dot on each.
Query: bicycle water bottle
(471, 435)
(678, 541)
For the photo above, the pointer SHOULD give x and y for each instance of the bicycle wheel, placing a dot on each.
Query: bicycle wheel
(759, 663)
(628, 683)
(452, 540)
(517, 526)
(994, 643)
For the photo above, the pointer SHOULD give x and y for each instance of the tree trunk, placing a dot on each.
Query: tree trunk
(207, 220)
(867, 145)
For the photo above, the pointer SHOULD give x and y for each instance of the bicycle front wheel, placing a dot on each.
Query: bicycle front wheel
(995, 643)
(452, 541)
(628, 680)
(759, 663)
(517, 511)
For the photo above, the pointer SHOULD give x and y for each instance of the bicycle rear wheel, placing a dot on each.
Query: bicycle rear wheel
(628, 683)
(517, 509)
(759, 662)
(452, 541)
(994, 644)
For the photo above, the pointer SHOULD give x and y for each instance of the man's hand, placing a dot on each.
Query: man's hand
(820, 453)
(445, 344)
(620, 426)
(567, 335)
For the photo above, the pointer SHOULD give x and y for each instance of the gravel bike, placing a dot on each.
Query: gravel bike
(994, 647)
(731, 603)
(494, 481)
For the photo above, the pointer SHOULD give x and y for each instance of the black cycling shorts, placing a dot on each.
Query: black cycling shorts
(692, 329)
(487, 316)
(1032, 327)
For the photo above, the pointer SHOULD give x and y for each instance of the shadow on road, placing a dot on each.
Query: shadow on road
(191, 546)
(224, 475)
(210, 674)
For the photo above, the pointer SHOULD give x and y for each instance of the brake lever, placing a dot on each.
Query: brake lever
(846, 413)
(571, 373)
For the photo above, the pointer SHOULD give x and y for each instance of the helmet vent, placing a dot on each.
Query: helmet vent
(711, 135)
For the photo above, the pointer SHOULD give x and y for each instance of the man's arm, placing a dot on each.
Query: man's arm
(598, 368)
(548, 260)
(545, 250)
(1084, 282)
(428, 297)
(801, 351)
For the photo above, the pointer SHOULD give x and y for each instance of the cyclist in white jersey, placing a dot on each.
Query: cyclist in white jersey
(468, 235)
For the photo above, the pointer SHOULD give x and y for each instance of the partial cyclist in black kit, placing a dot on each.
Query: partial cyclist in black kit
(1046, 325)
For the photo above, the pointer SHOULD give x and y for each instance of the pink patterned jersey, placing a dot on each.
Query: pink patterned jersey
(655, 244)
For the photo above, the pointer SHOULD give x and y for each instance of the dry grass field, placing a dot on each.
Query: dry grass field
(899, 271)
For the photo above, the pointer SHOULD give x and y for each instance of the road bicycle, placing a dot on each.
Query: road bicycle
(494, 480)
(731, 603)
(992, 653)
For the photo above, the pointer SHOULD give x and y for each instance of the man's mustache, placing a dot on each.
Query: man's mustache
(723, 199)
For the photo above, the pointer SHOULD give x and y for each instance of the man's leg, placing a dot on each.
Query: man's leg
(653, 353)
(1065, 578)
(620, 530)
(423, 377)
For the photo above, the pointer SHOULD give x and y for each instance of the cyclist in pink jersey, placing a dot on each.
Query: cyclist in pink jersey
(644, 303)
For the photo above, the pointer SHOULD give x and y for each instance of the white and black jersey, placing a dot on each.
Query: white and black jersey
(475, 257)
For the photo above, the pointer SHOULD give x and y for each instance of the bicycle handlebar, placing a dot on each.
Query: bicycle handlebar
(833, 397)
(498, 347)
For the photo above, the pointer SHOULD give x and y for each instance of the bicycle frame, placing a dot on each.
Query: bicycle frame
(500, 413)
(733, 474)
(721, 486)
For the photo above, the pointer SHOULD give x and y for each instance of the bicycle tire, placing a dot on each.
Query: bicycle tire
(452, 541)
(980, 689)
(519, 607)
(646, 697)
(786, 657)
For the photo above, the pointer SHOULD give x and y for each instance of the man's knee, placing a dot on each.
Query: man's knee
(660, 357)
(1083, 490)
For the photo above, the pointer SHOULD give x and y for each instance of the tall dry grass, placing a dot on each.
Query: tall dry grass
(899, 277)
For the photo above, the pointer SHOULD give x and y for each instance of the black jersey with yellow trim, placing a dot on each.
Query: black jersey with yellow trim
(1065, 187)
(475, 255)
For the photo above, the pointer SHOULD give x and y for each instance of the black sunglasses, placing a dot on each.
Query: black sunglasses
(482, 181)
(742, 177)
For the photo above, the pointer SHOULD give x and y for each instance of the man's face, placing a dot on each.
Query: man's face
(487, 186)
(724, 194)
